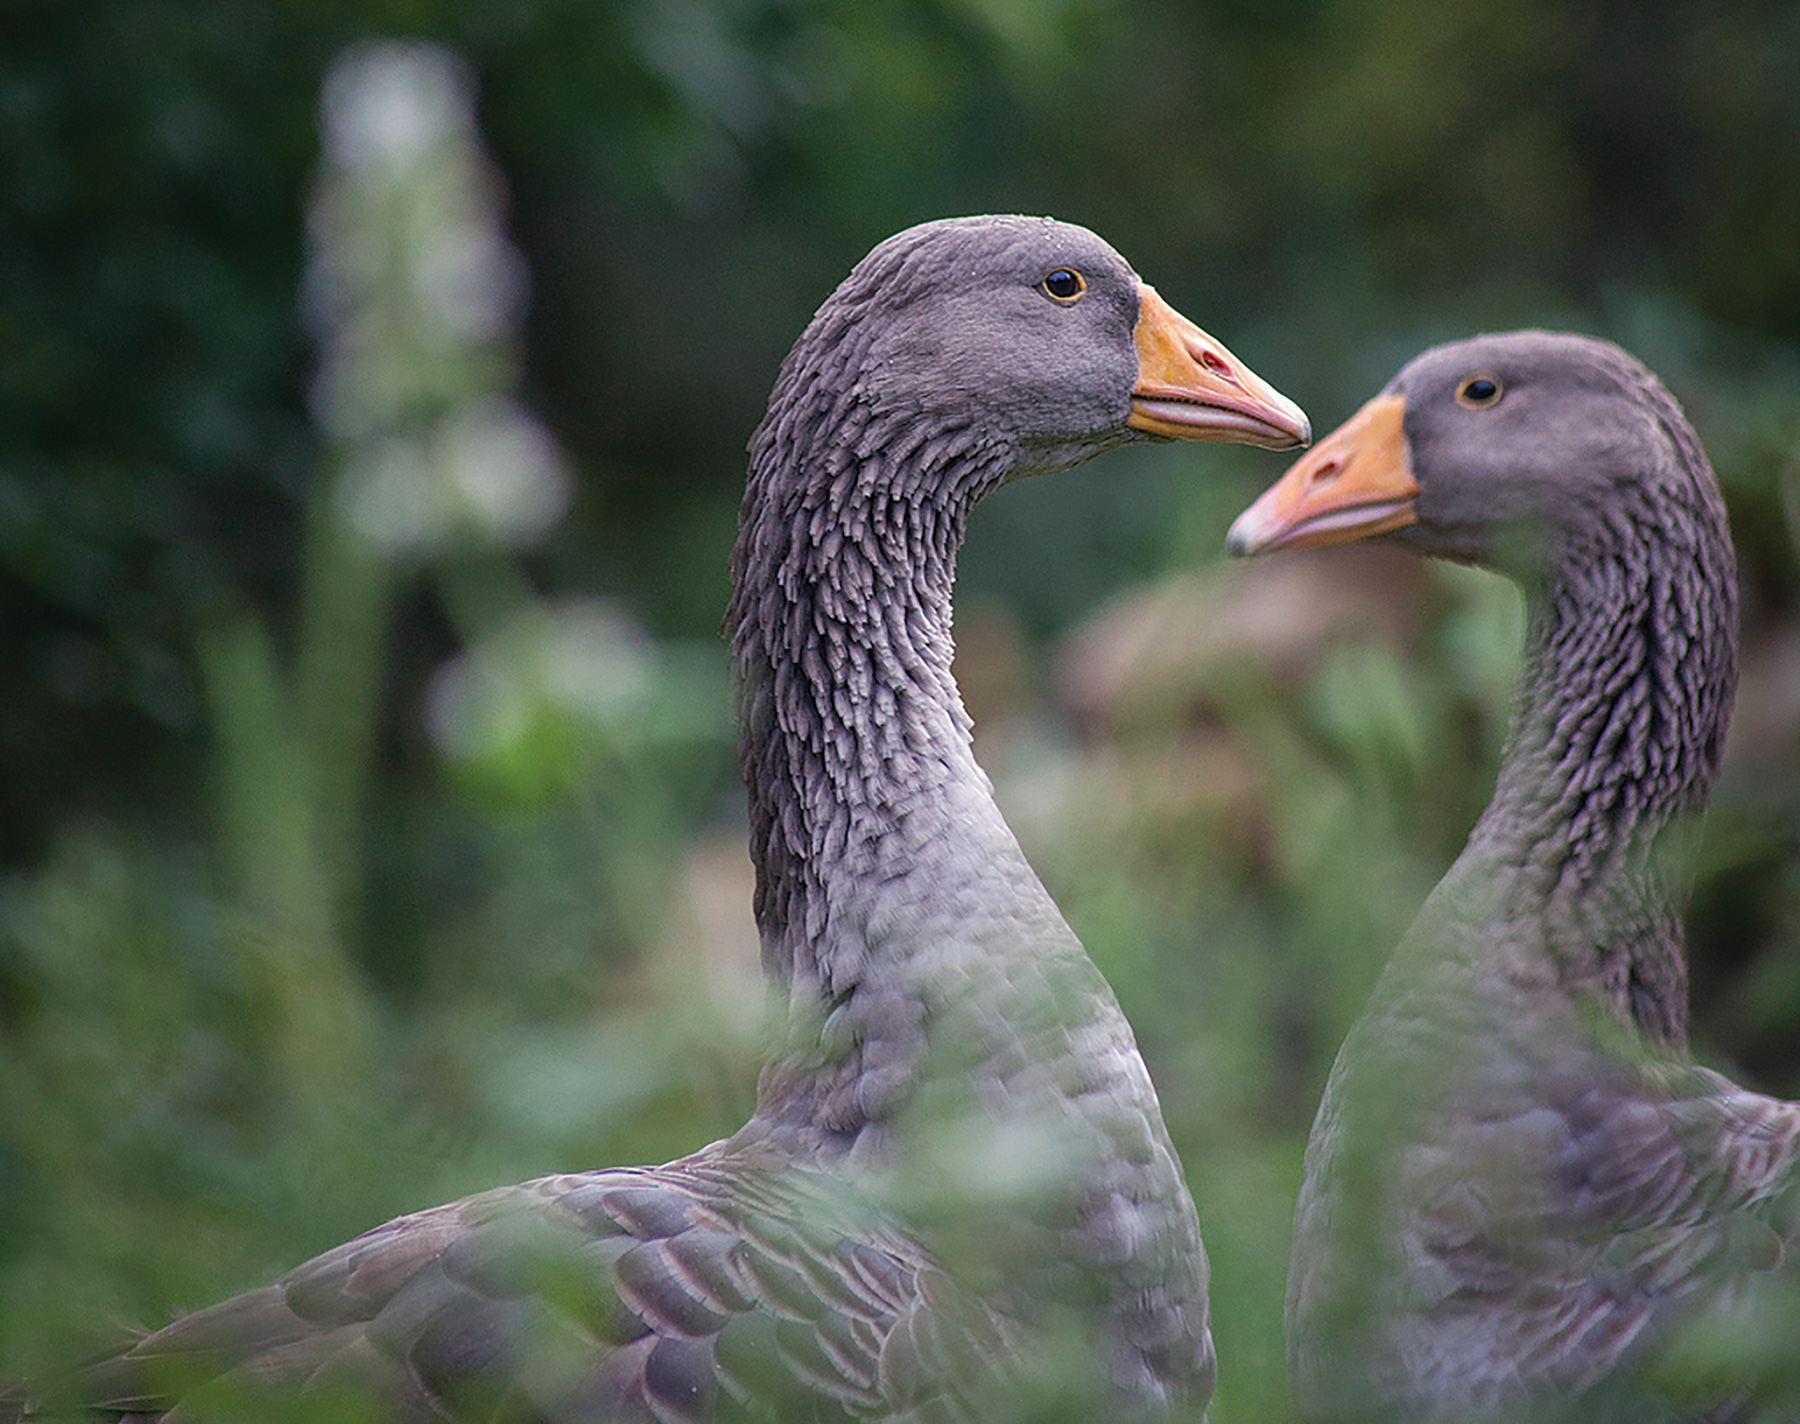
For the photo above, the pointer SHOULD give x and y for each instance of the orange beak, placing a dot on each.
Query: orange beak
(1357, 482)
(1189, 387)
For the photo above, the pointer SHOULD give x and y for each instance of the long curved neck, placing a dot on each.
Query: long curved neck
(1617, 723)
(884, 869)
(945, 1023)
(852, 733)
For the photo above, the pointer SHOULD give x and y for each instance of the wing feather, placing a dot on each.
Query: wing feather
(1550, 1249)
(696, 1291)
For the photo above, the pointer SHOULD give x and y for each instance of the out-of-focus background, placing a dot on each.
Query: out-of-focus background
(368, 464)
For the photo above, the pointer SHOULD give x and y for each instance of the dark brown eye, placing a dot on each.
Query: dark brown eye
(1478, 392)
(1065, 284)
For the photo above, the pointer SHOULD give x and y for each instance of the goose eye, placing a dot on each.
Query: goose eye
(1065, 284)
(1478, 392)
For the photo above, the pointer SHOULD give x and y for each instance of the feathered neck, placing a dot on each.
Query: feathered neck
(939, 1003)
(1618, 720)
(886, 878)
(840, 626)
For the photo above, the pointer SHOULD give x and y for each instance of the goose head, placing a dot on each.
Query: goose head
(1508, 451)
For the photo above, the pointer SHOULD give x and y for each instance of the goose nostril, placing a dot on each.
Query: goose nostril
(1219, 366)
(1326, 474)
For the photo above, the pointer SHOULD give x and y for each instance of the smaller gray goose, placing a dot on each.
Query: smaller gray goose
(1521, 1196)
(956, 1198)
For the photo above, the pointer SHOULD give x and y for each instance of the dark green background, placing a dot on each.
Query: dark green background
(1238, 831)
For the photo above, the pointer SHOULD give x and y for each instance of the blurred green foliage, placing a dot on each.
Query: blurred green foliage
(372, 835)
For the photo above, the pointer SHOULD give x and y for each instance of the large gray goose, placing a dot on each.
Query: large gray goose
(1521, 1196)
(956, 1196)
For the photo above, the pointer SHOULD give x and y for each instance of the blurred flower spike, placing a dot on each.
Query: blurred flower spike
(524, 709)
(489, 468)
(415, 297)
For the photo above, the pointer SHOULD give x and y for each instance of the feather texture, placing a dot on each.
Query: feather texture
(956, 1199)
(1522, 1198)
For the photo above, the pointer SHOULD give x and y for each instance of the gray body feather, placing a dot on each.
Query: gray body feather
(957, 1188)
(1522, 1198)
